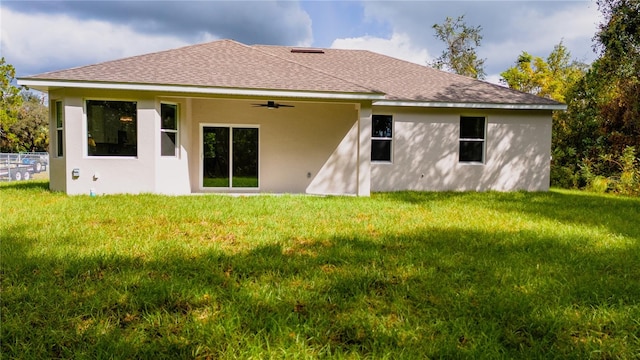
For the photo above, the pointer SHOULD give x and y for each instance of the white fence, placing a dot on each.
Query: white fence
(24, 166)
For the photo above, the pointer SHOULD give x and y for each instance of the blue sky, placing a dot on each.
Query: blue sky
(40, 36)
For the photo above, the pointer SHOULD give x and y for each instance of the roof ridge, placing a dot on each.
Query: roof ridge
(255, 47)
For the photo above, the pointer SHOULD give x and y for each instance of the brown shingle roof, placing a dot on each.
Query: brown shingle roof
(229, 64)
(223, 63)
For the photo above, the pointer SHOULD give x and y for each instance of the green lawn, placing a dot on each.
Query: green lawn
(400, 275)
(238, 181)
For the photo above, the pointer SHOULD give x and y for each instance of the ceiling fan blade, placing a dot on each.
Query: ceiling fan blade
(272, 105)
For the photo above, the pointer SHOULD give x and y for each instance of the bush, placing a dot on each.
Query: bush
(629, 182)
(598, 184)
(564, 177)
(625, 179)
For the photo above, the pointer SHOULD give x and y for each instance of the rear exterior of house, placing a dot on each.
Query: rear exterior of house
(226, 117)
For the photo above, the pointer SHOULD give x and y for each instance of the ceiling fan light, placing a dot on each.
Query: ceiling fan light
(272, 105)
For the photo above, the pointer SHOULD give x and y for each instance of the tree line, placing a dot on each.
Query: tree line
(596, 141)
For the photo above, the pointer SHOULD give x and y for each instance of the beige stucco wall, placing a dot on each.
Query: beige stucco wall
(314, 147)
(105, 174)
(425, 152)
(172, 174)
(57, 165)
(310, 148)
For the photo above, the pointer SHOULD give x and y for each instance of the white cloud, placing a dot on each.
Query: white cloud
(572, 25)
(508, 27)
(398, 46)
(36, 41)
(494, 79)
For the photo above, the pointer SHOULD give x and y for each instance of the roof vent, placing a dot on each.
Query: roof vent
(307, 51)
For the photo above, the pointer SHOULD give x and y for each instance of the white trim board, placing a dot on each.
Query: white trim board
(46, 84)
(377, 98)
(433, 104)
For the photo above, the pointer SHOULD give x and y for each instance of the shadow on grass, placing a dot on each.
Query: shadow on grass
(25, 185)
(424, 293)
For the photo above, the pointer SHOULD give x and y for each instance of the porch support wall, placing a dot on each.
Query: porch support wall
(57, 164)
(172, 172)
(364, 150)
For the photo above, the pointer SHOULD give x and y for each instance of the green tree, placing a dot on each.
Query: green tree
(609, 101)
(461, 42)
(31, 131)
(576, 131)
(596, 141)
(618, 42)
(10, 102)
(551, 78)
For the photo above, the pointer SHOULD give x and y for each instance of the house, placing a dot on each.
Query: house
(228, 117)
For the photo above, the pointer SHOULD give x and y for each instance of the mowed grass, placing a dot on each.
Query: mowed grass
(237, 181)
(397, 276)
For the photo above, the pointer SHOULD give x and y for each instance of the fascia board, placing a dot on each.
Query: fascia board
(434, 104)
(46, 84)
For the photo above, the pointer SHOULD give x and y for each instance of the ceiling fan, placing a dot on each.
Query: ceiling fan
(272, 105)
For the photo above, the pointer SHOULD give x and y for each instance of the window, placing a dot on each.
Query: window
(59, 129)
(381, 138)
(112, 128)
(169, 129)
(472, 138)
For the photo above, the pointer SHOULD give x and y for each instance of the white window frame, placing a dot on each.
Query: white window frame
(175, 131)
(384, 138)
(230, 126)
(58, 111)
(467, 140)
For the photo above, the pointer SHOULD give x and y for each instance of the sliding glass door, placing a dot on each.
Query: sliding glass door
(230, 157)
